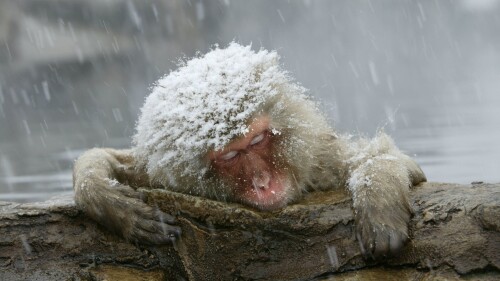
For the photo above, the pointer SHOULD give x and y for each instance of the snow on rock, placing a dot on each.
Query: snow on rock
(202, 105)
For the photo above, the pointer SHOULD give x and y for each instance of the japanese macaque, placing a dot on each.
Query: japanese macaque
(231, 125)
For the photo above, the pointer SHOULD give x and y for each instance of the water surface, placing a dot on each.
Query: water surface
(74, 75)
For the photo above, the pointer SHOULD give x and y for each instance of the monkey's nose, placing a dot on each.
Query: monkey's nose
(261, 180)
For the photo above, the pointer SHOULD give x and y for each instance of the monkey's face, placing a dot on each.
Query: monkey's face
(250, 167)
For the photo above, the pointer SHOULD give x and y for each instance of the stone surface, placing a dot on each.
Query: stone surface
(455, 233)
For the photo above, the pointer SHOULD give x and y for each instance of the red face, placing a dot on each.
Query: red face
(248, 165)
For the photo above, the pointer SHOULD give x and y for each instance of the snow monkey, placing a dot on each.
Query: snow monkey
(232, 125)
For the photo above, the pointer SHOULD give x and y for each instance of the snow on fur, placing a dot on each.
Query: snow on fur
(202, 105)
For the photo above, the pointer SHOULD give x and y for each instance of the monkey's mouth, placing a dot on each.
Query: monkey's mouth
(270, 197)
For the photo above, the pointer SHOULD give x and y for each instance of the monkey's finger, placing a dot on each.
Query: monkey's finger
(170, 230)
(159, 227)
(397, 240)
(145, 237)
(381, 244)
(360, 242)
(389, 242)
(163, 217)
(128, 191)
(365, 246)
(150, 213)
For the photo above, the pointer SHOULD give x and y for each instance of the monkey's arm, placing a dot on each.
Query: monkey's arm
(102, 180)
(380, 178)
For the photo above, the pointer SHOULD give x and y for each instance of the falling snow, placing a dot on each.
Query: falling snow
(46, 92)
(408, 67)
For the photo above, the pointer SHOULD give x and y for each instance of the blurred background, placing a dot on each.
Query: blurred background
(74, 74)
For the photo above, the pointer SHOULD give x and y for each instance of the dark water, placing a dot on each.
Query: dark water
(74, 75)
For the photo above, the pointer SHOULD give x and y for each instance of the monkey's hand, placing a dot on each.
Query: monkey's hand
(380, 178)
(115, 205)
(382, 209)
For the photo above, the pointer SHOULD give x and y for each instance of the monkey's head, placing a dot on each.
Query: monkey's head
(230, 125)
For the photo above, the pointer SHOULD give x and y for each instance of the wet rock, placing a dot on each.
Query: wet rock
(108, 272)
(454, 234)
(230, 241)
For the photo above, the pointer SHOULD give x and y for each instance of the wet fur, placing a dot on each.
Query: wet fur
(376, 173)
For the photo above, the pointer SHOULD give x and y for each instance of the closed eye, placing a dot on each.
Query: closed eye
(230, 155)
(257, 139)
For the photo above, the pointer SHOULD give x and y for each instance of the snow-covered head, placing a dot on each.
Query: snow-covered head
(202, 106)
